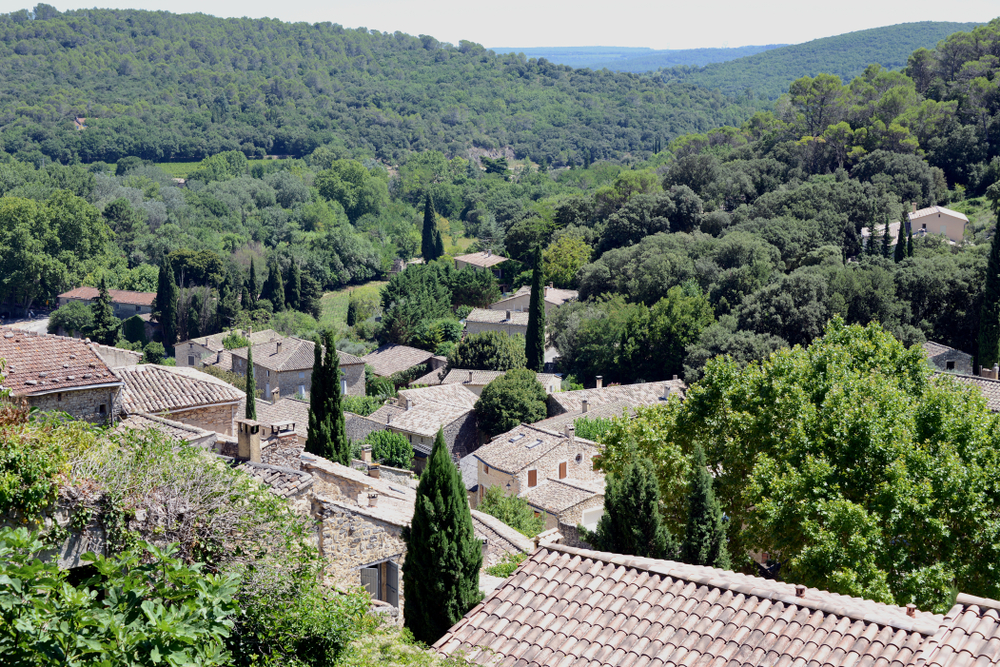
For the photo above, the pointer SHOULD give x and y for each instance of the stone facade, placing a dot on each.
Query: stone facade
(218, 418)
(358, 427)
(95, 405)
(506, 327)
(572, 515)
(578, 456)
(500, 539)
(284, 451)
(295, 382)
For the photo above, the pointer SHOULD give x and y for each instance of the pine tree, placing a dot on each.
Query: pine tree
(166, 305)
(251, 411)
(274, 286)
(431, 243)
(352, 312)
(227, 307)
(106, 327)
(705, 537)
(534, 348)
(327, 435)
(252, 289)
(443, 555)
(886, 240)
(899, 254)
(989, 314)
(631, 523)
(293, 287)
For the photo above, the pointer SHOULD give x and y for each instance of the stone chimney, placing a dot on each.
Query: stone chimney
(675, 378)
(409, 404)
(248, 440)
(585, 405)
(571, 434)
(547, 289)
(366, 454)
(666, 392)
(277, 347)
(374, 472)
(470, 377)
(914, 206)
(275, 395)
(508, 315)
(600, 381)
(372, 499)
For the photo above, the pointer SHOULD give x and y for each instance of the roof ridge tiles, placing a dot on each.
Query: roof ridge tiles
(764, 590)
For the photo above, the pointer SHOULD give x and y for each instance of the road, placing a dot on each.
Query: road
(36, 325)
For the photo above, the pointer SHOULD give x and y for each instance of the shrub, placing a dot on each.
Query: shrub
(235, 340)
(361, 405)
(512, 510)
(516, 397)
(489, 351)
(592, 428)
(392, 449)
(153, 353)
(507, 565)
(134, 330)
(74, 317)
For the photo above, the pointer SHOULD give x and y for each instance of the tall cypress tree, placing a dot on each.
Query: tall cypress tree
(909, 241)
(106, 327)
(227, 306)
(443, 556)
(534, 348)
(251, 389)
(705, 537)
(166, 305)
(631, 523)
(274, 287)
(252, 289)
(431, 243)
(327, 433)
(989, 314)
(899, 254)
(293, 287)
(886, 240)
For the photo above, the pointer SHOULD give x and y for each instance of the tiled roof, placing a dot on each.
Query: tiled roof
(390, 359)
(154, 389)
(285, 409)
(283, 482)
(556, 495)
(553, 295)
(169, 427)
(431, 408)
(519, 447)
(633, 395)
(482, 315)
(479, 378)
(481, 259)
(939, 355)
(606, 411)
(448, 394)
(214, 342)
(117, 296)
(289, 354)
(567, 606)
(932, 210)
(989, 388)
(41, 363)
(968, 636)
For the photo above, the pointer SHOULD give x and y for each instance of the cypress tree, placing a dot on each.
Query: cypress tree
(274, 287)
(166, 305)
(631, 523)
(705, 537)
(251, 389)
(106, 327)
(293, 287)
(431, 244)
(443, 556)
(327, 434)
(438, 243)
(886, 240)
(899, 254)
(252, 288)
(352, 312)
(909, 241)
(534, 348)
(989, 314)
(227, 306)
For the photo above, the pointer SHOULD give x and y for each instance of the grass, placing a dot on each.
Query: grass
(388, 646)
(463, 242)
(178, 169)
(333, 305)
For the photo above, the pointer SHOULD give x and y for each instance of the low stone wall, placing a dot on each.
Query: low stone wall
(218, 418)
(501, 539)
(357, 427)
(284, 451)
(571, 536)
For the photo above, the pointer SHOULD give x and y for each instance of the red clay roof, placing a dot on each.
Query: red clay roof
(40, 363)
(117, 296)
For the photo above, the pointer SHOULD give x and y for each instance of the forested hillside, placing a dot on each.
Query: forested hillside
(162, 86)
(634, 59)
(767, 75)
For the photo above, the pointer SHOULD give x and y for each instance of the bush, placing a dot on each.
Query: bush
(235, 340)
(294, 323)
(361, 405)
(592, 428)
(507, 565)
(153, 353)
(512, 510)
(134, 330)
(489, 351)
(392, 449)
(74, 317)
(516, 397)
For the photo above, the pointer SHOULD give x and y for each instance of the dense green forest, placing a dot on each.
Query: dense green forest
(635, 59)
(163, 86)
(767, 75)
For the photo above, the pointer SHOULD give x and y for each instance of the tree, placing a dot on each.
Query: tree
(274, 288)
(251, 387)
(516, 397)
(899, 253)
(563, 258)
(512, 510)
(534, 339)
(391, 448)
(705, 536)
(443, 555)
(327, 436)
(252, 288)
(489, 351)
(989, 316)
(352, 312)
(293, 287)
(886, 239)
(228, 306)
(134, 330)
(431, 245)
(74, 317)
(631, 522)
(166, 304)
(106, 327)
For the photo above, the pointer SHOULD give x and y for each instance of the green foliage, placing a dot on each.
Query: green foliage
(357, 190)
(326, 413)
(507, 565)
(431, 244)
(106, 328)
(443, 555)
(489, 351)
(514, 398)
(235, 379)
(250, 386)
(74, 317)
(274, 287)
(392, 449)
(989, 316)
(534, 337)
(592, 428)
(153, 353)
(165, 305)
(705, 536)
(134, 611)
(134, 330)
(235, 340)
(513, 511)
(631, 521)
(563, 258)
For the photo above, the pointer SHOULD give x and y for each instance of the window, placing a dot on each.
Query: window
(138, 309)
(302, 375)
(343, 386)
(59, 398)
(486, 469)
(562, 470)
(950, 365)
(267, 373)
(302, 389)
(532, 478)
(190, 360)
(102, 409)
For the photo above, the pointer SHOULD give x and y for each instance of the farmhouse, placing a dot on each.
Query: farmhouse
(420, 413)
(939, 220)
(181, 394)
(124, 303)
(476, 380)
(521, 299)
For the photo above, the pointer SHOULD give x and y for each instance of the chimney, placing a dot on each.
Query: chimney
(275, 395)
(547, 290)
(571, 434)
(508, 315)
(248, 440)
(666, 393)
(375, 473)
(600, 381)
(800, 591)
(585, 405)
(409, 404)
(675, 378)
(388, 418)
(366, 454)
(911, 610)
(470, 377)
(277, 347)
(372, 499)
(914, 206)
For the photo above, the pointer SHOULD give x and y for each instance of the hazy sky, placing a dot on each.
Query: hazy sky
(523, 23)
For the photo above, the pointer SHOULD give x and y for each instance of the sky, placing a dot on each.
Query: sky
(527, 23)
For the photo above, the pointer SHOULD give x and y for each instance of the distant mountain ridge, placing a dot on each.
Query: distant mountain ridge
(768, 74)
(634, 59)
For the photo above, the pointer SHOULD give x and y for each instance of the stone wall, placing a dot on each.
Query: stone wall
(116, 357)
(218, 418)
(571, 536)
(288, 383)
(501, 539)
(510, 329)
(282, 451)
(82, 404)
(548, 465)
(462, 435)
(358, 427)
(574, 515)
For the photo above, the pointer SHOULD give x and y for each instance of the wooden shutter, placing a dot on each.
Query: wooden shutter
(532, 477)
(562, 470)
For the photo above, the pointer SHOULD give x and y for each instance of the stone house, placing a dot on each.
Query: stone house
(124, 303)
(208, 350)
(508, 321)
(419, 413)
(482, 261)
(62, 374)
(553, 471)
(947, 359)
(476, 380)
(181, 394)
(938, 220)
(283, 367)
(185, 433)
(390, 359)
(520, 300)
(623, 395)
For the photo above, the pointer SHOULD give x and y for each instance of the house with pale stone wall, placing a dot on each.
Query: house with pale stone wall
(124, 303)
(938, 220)
(56, 373)
(283, 367)
(419, 413)
(209, 350)
(520, 300)
(182, 394)
(475, 381)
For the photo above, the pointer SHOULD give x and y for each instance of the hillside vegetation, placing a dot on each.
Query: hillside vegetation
(163, 86)
(767, 75)
(635, 59)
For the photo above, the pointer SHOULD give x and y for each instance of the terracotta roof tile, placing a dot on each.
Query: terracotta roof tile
(931, 210)
(169, 427)
(155, 389)
(40, 363)
(117, 296)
